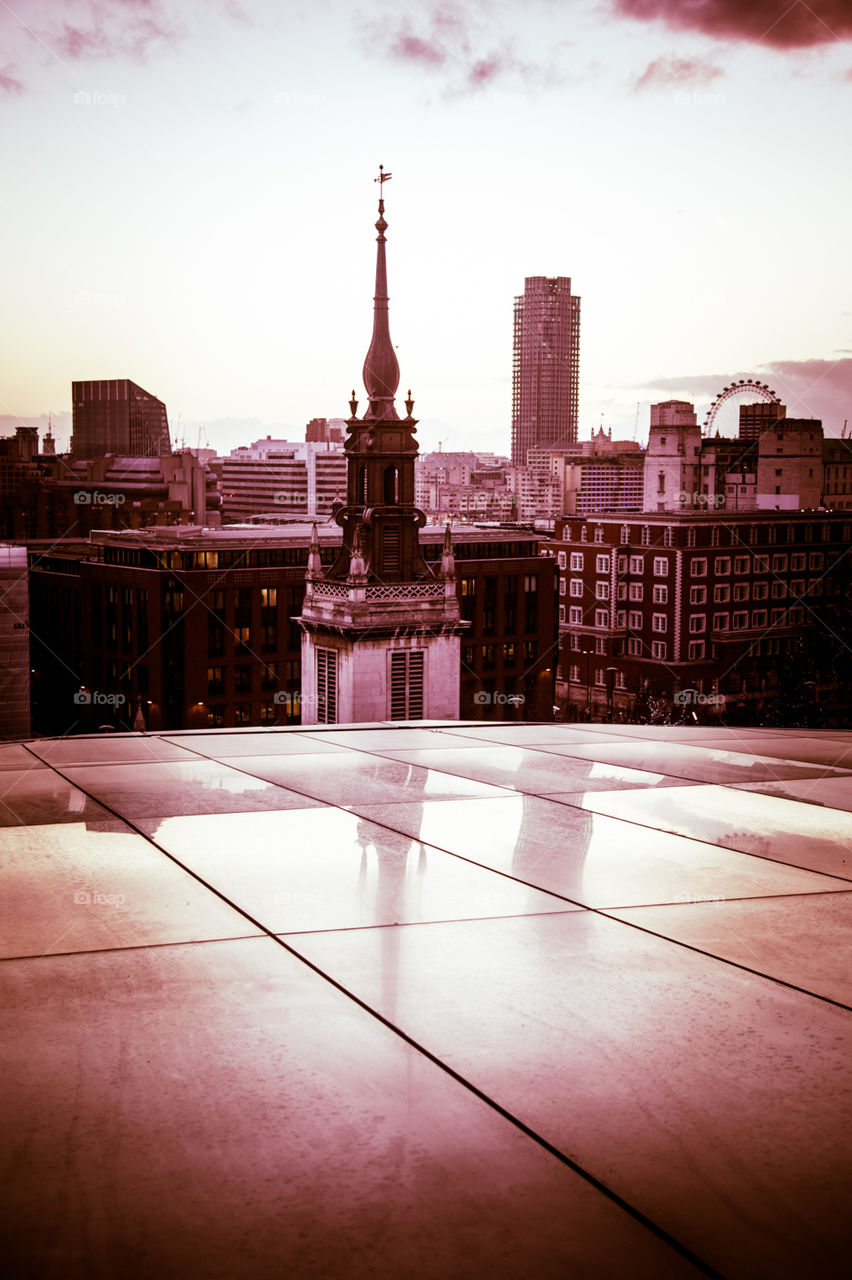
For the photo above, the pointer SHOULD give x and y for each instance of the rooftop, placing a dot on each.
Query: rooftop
(427, 1000)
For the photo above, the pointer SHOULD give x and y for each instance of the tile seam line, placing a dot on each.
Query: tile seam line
(512, 793)
(636, 1214)
(527, 884)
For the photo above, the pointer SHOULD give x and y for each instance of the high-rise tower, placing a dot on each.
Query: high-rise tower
(380, 632)
(118, 417)
(545, 371)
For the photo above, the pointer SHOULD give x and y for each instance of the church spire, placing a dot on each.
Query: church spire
(381, 369)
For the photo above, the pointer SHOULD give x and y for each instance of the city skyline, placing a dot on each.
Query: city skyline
(188, 196)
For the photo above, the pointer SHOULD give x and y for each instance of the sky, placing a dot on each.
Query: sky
(189, 199)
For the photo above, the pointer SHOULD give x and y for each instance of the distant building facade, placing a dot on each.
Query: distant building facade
(749, 613)
(298, 477)
(196, 627)
(14, 644)
(115, 416)
(545, 369)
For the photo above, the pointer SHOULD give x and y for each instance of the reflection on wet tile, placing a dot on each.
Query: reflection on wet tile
(684, 1082)
(202, 786)
(107, 748)
(329, 869)
(83, 888)
(701, 763)
(782, 830)
(37, 796)
(832, 792)
(800, 940)
(818, 750)
(590, 859)
(226, 745)
(304, 1137)
(385, 739)
(351, 778)
(532, 771)
(15, 756)
(524, 735)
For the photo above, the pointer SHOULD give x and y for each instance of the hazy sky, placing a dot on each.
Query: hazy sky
(188, 201)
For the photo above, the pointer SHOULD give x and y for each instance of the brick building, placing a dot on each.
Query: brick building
(196, 627)
(748, 612)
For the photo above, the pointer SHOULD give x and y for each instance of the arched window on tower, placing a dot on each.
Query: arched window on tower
(391, 494)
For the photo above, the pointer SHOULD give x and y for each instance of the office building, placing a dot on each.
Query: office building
(545, 369)
(747, 612)
(115, 416)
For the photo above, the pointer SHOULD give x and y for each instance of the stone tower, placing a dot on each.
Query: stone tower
(380, 631)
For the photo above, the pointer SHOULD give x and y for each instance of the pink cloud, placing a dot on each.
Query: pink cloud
(777, 23)
(665, 71)
(9, 83)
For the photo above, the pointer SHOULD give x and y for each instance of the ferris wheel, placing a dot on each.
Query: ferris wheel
(749, 386)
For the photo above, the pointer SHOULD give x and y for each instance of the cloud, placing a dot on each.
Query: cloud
(809, 388)
(9, 82)
(669, 70)
(75, 31)
(776, 23)
(453, 39)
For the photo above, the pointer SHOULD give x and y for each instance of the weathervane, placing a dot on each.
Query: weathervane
(382, 178)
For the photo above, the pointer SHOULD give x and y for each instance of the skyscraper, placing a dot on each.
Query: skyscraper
(545, 366)
(115, 416)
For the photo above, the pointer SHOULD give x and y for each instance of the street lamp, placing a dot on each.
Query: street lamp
(611, 673)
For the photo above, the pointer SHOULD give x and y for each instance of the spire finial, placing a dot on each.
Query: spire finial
(381, 370)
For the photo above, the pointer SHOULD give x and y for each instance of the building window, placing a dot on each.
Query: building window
(637, 591)
(758, 618)
(599, 533)
(661, 595)
(576, 588)
(721, 593)
(761, 564)
(242, 679)
(215, 717)
(562, 586)
(779, 590)
(215, 680)
(625, 534)
(659, 622)
(714, 535)
(406, 684)
(658, 650)
(487, 655)
(602, 564)
(637, 564)
(696, 650)
(697, 595)
(697, 624)
(601, 617)
(779, 562)
(740, 621)
(646, 535)
(661, 566)
(575, 616)
(815, 560)
(634, 647)
(723, 566)
(699, 567)
(668, 536)
(721, 621)
(242, 713)
(326, 686)
(741, 564)
(601, 590)
(760, 591)
(634, 620)
(690, 536)
(509, 648)
(574, 674)
(740, 591)
(562, 560)
(576, 562)
(600, 644)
